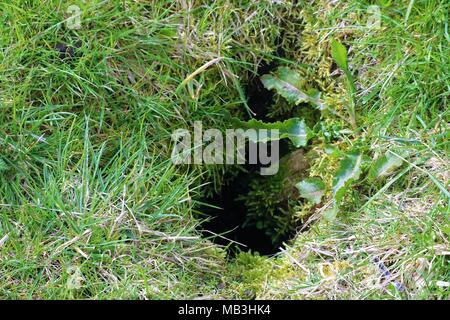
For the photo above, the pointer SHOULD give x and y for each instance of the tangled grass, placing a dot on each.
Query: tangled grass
(92, 207)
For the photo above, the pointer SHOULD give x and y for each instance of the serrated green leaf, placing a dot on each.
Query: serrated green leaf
(288, 84)
(348, 172)
(294, 129)
(311, 189)
(339, 54)
(384, 166)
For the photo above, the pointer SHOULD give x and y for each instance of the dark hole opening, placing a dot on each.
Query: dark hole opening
(228, 220)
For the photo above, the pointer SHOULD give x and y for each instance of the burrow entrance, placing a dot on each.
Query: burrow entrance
(228, 218)
(227, 212)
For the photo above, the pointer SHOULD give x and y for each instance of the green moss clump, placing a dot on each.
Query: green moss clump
(246, 275)
(272, 200)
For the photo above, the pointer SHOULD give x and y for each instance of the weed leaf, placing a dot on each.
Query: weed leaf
(339, 54)
(384, 166)
(311, 189)
(348, 172)
(294, 129)
(287, 83)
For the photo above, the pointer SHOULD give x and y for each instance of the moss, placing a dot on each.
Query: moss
(272, 199)
(247, 274)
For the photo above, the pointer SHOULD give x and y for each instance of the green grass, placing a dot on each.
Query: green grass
(92, 207)
(87, 183)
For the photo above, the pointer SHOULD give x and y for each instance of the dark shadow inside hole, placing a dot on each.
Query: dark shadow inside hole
(228, 219)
